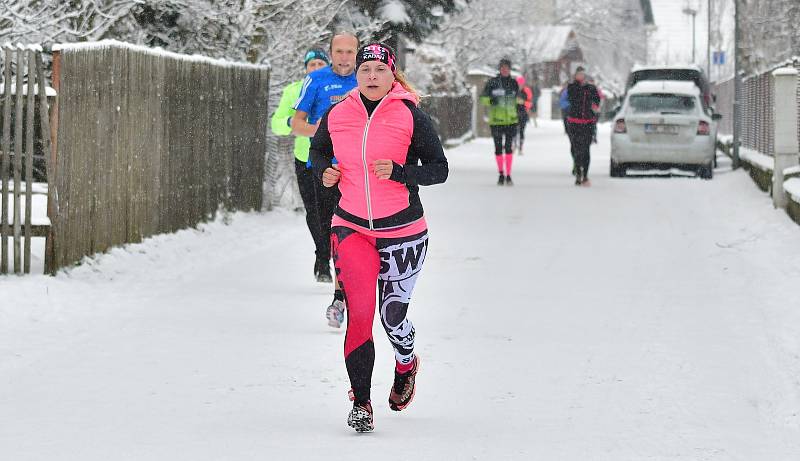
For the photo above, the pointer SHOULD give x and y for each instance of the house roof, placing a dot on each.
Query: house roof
(548, 43)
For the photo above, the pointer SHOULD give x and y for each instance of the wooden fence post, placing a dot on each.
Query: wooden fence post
(31, 110)
(786, 146)
(6, 153)
(19, 101)
(54, 175)
(49, 155)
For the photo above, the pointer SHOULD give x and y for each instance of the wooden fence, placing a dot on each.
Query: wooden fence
(280, 187)
(451, 114)
(23, 82)
(150, 142)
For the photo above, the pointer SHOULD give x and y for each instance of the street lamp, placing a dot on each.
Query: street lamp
(693, 12)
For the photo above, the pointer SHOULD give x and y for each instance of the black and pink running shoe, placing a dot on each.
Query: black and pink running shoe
(404, 387)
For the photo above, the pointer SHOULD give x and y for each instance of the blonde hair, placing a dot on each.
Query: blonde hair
(400, 77)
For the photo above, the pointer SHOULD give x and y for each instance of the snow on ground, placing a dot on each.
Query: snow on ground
(642, 318)
(763, 162)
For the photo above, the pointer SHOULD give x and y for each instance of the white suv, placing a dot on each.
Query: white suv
(663, 123)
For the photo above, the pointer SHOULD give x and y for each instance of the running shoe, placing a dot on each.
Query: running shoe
(501, 180)
(322, 271)
(335, 314)
(360, 417)
(509, 182)
(404, 387)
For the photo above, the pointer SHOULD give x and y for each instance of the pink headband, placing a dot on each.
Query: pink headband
(377, 52)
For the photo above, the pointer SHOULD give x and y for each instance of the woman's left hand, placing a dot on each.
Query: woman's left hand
(383, 168)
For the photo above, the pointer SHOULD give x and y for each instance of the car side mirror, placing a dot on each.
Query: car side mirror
(716, 117)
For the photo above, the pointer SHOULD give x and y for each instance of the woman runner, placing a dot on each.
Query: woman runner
(385, 147)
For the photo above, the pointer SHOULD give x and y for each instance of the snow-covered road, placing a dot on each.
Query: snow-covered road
(640, 319)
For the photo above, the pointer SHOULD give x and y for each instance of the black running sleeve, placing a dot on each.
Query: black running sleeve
(426, 163)
(321, 152)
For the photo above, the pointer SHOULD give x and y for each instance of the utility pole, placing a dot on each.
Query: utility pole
(737, 83)
(708, 43)
(693, 13)
(649, 31)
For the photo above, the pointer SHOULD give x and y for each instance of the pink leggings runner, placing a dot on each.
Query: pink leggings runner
(390, 266)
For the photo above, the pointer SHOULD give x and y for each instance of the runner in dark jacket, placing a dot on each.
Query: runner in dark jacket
(537, 93)
(500, 94)
(584, 102)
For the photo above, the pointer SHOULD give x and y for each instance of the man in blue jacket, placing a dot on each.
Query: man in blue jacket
(321, 89)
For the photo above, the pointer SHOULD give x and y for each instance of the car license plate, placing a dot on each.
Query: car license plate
(652, 128)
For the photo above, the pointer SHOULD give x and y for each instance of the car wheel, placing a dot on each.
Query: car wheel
(616, 170)
(706, 171)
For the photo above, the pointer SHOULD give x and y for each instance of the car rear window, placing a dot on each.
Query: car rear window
(662, 103)
(686, 75)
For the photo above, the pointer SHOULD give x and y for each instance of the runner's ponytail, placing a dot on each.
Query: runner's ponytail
(403, 81)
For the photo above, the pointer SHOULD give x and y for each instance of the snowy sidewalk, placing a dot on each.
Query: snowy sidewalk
(638, 319)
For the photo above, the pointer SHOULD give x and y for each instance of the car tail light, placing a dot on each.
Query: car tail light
(620, 127)
(703, 128)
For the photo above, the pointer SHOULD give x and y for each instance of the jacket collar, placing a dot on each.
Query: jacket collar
(396, 92)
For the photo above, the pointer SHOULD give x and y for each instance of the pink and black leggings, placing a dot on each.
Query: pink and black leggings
(365, 265)
(503, 136)
(503, 147)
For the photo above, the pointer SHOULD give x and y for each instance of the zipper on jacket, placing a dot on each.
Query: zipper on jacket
(583, 108)
(364, 159)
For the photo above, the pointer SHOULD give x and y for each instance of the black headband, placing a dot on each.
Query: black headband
(377, 52)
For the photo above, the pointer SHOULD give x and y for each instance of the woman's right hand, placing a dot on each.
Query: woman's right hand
(331, 176)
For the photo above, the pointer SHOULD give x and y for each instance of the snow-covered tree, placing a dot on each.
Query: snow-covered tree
(46, 21)
(432, 69)
(413, 18)
(482, 31)
(259, 31)
(770, 32)
(612, 35)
